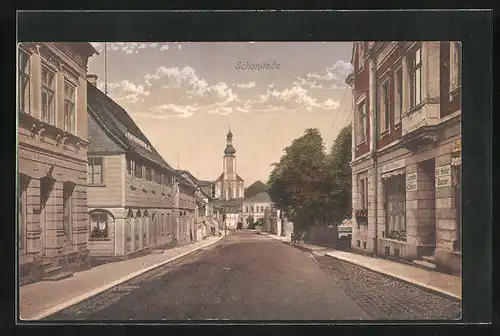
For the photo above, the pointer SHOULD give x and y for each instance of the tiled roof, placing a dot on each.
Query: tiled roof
(118, 122)
(260, 197)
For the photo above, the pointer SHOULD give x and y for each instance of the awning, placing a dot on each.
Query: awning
(397, 172)
(456, 160)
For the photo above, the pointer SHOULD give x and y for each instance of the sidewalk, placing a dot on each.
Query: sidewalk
(442, 283)
(42, 299)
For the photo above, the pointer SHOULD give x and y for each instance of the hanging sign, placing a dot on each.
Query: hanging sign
(456, 146)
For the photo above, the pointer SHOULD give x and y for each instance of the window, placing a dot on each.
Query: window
(363, 122)
(67, 210)
(158, 177)
(24, 82)
(363, 193)
(166, 180)
(99, 225)
(149, 174)
(48, 101)
(416, 78)
(398, 97)
(138, 170)
(69, 108)
(456, 65)
(94, 171)
(131, 167)
(384, 107)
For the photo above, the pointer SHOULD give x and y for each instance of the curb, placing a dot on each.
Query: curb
(82, 297)
(419, 284)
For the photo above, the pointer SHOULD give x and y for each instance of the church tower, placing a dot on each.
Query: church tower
(229, 185)
(229, 158)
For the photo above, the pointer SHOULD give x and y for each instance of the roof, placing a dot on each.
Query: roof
(238, 177)
(259, 198)
(220, 178)
(229, 134)
(118, 122)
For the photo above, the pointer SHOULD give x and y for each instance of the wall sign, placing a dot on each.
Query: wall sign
(443, 181)
(36, 157)
(443, 171)
(411, 181)
(393, 166)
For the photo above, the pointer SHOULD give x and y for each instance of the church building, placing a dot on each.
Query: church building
(229, 185)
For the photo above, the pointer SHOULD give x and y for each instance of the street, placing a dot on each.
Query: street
(247, 276)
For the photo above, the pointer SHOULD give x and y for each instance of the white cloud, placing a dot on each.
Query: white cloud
(131, 47)
(188, 79)
(222, 110)
(132, 93)
(172, 110)
(337, 74)
(246, 85)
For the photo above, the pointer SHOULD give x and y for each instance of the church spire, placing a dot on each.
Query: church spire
(230, 150)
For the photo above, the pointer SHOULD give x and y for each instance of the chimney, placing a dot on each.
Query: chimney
(92, 79)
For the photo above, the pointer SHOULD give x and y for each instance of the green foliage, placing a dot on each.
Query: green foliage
(310, 187)
(255, 188)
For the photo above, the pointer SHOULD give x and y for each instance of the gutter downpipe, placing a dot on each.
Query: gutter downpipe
(374, 149)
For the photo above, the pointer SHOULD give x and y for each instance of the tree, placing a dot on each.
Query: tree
(338, 163)
(255, 188)
(296, 184)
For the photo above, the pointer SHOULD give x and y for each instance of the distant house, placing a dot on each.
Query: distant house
(136, 200)
(255, 207)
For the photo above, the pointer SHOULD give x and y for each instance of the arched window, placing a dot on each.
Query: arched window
(99, 223)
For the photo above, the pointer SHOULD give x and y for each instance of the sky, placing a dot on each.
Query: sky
(186, 96)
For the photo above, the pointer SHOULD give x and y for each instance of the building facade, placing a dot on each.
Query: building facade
(52, 156)
(137, 202)
(255, 207)
(406, 151)
(229, 185)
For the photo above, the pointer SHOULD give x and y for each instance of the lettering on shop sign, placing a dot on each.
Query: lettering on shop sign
(393, 166)
(443, 181)
(411, 181)
(36, 157)
(443, 171)
(456, 146)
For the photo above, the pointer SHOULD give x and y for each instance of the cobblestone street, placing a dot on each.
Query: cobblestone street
(247, 276)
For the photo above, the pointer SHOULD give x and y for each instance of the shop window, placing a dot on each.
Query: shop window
(395, 205)
(99, 225)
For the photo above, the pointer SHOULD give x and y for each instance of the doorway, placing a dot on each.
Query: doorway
(68, 188)
(427, 214)
(46, 187)
(457, 178)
